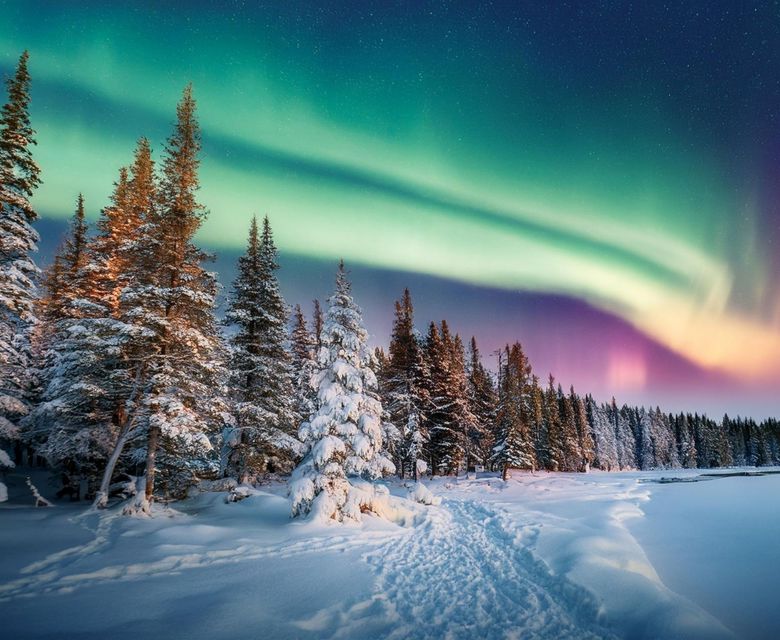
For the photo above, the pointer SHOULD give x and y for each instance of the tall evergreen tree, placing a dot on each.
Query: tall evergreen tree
(317, 324)
(124, 252)
(86, 373)
(19, 177)
(449, 415)
(572, 455)
(170, 301)
(344, 437)
(514, 449)
(260, 370)
(403, 391)
(604, 442)
(538, 428)
(304, 365)
(482, 401)
(586, 445)
(556, 447)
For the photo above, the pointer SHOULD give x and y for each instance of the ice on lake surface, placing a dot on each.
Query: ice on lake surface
(719, 544)
(547, 555)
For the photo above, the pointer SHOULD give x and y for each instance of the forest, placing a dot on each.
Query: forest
(122, 371)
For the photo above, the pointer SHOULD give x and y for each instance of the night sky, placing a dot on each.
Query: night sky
(600, 181)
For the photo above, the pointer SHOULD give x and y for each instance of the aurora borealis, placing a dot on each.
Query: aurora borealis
(598, 180)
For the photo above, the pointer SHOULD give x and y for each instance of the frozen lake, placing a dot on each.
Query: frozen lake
(717, 543)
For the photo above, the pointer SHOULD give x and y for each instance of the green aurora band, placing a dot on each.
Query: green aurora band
(396, 145)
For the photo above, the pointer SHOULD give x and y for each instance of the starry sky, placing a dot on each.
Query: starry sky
(599, 180)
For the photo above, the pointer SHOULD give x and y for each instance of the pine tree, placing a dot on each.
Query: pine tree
(19, 177)
(303, 364)
(317, 323)
(624, 437)
(261, 376)
(85, 377)
(449, 415)
(604, 443)
(344, 437)
(584, 436)
(645, 444)
(123, 255)
(169, 303)
(572, 455)
(556, 452)
(482, 402)
(537, 426)
(514, 449)
(404, 395)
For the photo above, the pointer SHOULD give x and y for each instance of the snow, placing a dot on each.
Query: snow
(423, 495)
(727, 561)
(5, 460)
(548, 555)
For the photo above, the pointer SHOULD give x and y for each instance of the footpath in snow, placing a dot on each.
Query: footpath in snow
(546, 556)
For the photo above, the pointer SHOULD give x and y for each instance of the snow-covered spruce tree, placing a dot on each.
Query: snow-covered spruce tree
(169, 302)
(19, 177)
(91, 394)
(344, 437)
(538, 427)
(514, 449)
(404, 395)
(625, 437)
(72, 421)
(556, 452)
(482, 401)
(317, 323)
(572, 455)
(118, 250)
(645, 441)
(604, 442)
(260, 370)
(304, 365)
(686, 443)
(449, 415)
(583, 430)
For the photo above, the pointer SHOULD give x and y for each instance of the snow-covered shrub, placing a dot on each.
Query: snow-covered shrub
(423, 495)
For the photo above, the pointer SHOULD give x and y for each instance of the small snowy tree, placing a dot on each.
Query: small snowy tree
(344, 437)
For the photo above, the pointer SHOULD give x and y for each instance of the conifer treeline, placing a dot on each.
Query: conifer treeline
(452, 416)
(119, 367)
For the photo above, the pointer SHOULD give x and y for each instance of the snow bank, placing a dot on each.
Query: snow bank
(540, 556)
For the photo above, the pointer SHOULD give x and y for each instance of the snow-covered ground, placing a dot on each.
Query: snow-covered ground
(545, 556)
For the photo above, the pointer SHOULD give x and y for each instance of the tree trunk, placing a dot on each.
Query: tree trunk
(505, 472)
(125, 417)
(151, 453)
(101, 498)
